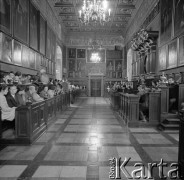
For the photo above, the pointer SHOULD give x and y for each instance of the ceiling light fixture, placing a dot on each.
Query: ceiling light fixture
(94, 11)
(95, 57)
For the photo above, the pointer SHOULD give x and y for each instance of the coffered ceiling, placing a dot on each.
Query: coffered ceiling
(67, 13)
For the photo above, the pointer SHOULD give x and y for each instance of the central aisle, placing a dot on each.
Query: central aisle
(80, 143)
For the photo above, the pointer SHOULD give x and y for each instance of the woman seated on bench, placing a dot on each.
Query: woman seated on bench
(143, 102)
(7, 113)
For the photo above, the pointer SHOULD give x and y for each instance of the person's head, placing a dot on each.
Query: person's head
(18, 73)
(4, 89)
(28, 76)
(51, 87)
(45, 88)
(13, 89)
(21, 90)
(32, 89)
(11, 74)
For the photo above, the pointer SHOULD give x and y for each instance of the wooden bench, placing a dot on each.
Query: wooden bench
(129, 109)
(31, 121)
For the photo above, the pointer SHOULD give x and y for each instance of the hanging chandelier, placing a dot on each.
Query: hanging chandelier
(95, 57)
(94, 11)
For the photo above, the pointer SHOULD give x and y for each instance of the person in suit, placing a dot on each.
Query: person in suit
(8, 113)
(32, 96)
(21, 99)
(11, 96)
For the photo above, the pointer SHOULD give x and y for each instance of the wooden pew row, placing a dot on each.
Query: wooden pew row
(181, 145)
(129, 108)
(32, 120)
(115, 100)
(165, 94)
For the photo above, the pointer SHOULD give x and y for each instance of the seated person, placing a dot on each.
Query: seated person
(44, 77)
(143, 102)
(44, 92)
(58, 89)
(8, 113)
(51, 91)
(18, 76)
(9, 78)
(32, 96)
(21, 99)
(173, 98)
(11, 96)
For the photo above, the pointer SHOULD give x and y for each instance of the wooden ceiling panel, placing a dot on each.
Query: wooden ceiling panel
(68, 13)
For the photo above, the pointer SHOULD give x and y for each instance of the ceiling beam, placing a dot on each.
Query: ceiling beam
(122, 15)
(63, 5)
(68, 14)
(128, 6)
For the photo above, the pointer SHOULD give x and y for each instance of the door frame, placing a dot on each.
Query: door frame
(96, 76)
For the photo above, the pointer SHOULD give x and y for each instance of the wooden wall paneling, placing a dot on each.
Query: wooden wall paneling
(6, 16)
(17, 53)
(33, 26)
(154, 107)
(164, 100)
(181, 95)
(42, 34)
(181, 51)
(21, 20)
(172, 54)
(153, 59)
(25, 56)
(6, 45)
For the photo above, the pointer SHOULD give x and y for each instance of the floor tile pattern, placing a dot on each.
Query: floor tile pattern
(79, 144)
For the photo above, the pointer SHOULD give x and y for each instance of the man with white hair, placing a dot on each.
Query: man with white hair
(44, 77)
(32, 96)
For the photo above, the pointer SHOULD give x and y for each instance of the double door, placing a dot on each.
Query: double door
(96, 87)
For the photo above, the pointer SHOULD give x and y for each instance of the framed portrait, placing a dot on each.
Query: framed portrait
(50, 67)
(17, 53)
(38, 61)
(21, 20)
(94, 56)
(42, 41)
(5, 16)
(48, 46)
(181, 50)
(119, 74)
(33, 27)
(179, 17)
(118, 65)
(53, 68)
(53, 45)
(25, 56)
(71, 52)
(70, 74)
(113, 74)
(32, 59)
(5, 48)
(162, 57)
(166, 20)
(71, 65)
(81, 64)
(76, 74)
(172, 55)
(81, 53)
(42, 61)
(110, 65)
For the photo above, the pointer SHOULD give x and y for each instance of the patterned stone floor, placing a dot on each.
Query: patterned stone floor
(80, 143)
